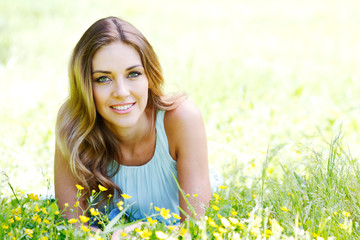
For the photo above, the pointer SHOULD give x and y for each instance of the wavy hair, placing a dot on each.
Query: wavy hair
(81, 135)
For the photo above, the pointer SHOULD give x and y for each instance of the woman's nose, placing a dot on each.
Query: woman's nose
(121, 89)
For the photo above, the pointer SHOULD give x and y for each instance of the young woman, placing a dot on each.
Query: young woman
(119, 130)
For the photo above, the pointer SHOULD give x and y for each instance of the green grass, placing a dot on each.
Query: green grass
(275, 80)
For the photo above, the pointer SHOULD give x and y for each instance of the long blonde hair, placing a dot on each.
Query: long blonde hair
(81, 135)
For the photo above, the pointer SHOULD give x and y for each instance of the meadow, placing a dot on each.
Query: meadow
(277, 83)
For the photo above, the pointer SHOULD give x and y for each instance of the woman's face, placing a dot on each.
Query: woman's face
(120, 86)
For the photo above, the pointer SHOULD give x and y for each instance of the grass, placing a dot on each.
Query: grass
(275, 81)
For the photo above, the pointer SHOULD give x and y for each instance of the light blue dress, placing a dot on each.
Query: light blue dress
(152, 184)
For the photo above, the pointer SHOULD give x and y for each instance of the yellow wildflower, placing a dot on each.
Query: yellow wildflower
(85, 229)
(176, 216)
(216, 208)
(93, 191)
(66, 205)
(222, 187)
(268, 232)
(212, 223)
(36, 208)
(44, 238)
(151, 221)
(346, 214)
(44, 210)
(165, 213)
(120, 205)
(222, 230)
(33, 197)
(57, 212)
(123, 234)
(182, 232)
(36, 218)
(4, 226)
(234, 213)
(84, 219)
(79, 187)
(171, 228)
(46, 221)
(76, 204)
(94, 212)
(157, 209)
(145, 233)
(17, 218)
(125, 196)
(73, 220)
(110, 195)
(29, 232)
(102, 188)
(195, 195)
(11, 220)
(216, 196)
(161, 235)
(285, 209)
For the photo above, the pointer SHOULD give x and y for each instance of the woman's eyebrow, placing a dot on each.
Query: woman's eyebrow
(135, 66)
(101, 71)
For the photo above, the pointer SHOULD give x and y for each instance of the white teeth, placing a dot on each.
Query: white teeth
(123, 107)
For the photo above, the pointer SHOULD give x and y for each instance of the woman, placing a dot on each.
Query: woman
(119, 130)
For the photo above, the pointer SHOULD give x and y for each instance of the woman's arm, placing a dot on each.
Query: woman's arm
(65, 189)
(188, 146)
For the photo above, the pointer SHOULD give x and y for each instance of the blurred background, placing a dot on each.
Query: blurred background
(278, 74)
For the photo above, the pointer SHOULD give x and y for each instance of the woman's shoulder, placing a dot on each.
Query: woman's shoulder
(185, 113)
(181, 124)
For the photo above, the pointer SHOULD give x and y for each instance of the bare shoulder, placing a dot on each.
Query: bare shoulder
(184, 114)
(182, 125)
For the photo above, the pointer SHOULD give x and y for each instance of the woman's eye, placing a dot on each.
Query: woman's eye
(102, 79)
(134, 74)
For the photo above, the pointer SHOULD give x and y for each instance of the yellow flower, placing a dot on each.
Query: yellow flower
(151, 221)
(79, 187)
(85, 229)
(125, 196)
(11, 220)
(73, 220)
(268, 232)
(46, 221)
(182, 232)
(225, 222)
(222, 230)
(17, 218)
(57, 212)
(76, 204)
(346, 214)
(44, 210)
(285, 209)
(234, 213)
(123, 234)
(212, 223)
(145, 233)
(165, 213)
(171, 228)
(33, 197)
(44, 238)
(66, 205)
(120, 205)
(161, 235)
(176, 216)
(29, 232)
(102, 188)
(93, 191)
(4, 226)
(216, 196)
(195, 195)
(93, 212)
(84, 219)
(36, 218)
(222, 187)
(36, 208)
(254, 195)
(157, 209)
(216, 208)
(110, 195)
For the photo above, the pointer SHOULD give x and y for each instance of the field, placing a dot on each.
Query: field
(277, 83)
